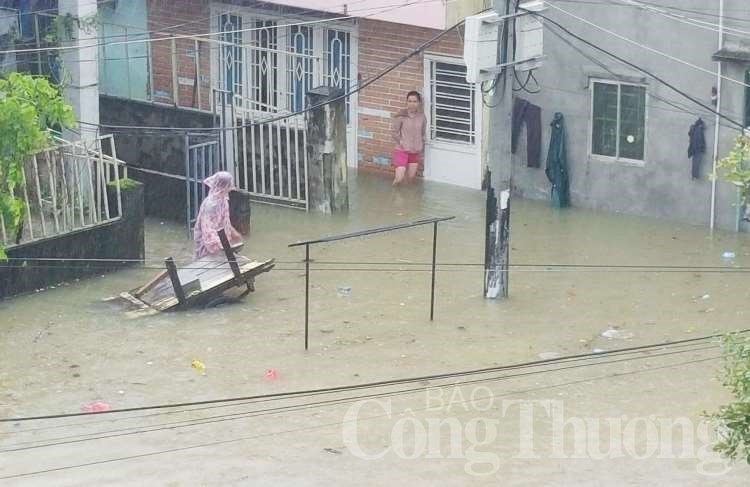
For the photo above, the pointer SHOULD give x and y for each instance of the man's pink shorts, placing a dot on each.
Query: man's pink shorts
(401, 158)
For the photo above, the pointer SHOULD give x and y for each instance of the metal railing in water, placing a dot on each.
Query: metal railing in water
(65, 189)
(363, 233)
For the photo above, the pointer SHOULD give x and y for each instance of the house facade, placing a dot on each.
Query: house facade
(268, 55)
(627, 133)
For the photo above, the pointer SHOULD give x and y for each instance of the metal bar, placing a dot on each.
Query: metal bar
(434, 256)
(117, 185)
(79, 186)
(253, 157)
(279, 159)
(67, 214)
(26, 199)
(53, 189)
(307, 295)
(244, 148)
(193, 154)
(305, 177)
(102, 182)
(373, 231)
(93, 207)
(175, 84)
(175, 278)
(262, 161)
(112, 144)
(98, 177)
(188, 213)
(39, 195)
(198, 73)
(296, 161)
(288, 159)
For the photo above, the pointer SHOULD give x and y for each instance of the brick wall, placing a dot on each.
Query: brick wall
(382, 44)
(192, 16)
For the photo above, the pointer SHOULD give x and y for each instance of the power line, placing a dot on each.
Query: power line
(219, 33)
(639, 68)
(110, 420)
(683, 19)
(680, 109)
(371, 384)
(235, 440)
(359, 87)
(137, 430)
(635, 43)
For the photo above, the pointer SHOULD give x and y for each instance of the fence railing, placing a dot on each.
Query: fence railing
(363, 233)
(66, 189)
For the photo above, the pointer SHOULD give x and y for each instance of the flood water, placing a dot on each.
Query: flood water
(369, 321)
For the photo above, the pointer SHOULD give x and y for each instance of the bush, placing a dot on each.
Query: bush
(732, 421)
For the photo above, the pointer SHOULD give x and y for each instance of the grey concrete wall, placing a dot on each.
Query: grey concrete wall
(121, 239)
(164, 196)
(662, 185)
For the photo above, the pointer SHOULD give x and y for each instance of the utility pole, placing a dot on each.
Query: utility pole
(497, 229)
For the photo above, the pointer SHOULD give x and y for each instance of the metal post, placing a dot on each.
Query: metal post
(307, 293)
(188, 216)
(434, 254)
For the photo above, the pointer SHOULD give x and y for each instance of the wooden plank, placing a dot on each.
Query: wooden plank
(230, 257)
(173, 276)
(150, 284)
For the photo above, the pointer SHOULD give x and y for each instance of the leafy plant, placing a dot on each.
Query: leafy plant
(737, 166)
(29, 107)
(732, 421)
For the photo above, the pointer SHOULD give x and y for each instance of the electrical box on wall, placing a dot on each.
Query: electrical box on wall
(530, 37)
(480, 46)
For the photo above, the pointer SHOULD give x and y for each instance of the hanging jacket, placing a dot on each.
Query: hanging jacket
(697, 138)
(697, 146)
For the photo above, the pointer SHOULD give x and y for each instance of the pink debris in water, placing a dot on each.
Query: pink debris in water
(95, 407)
(271, 374)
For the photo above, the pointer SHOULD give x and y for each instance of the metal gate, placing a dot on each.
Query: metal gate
(202, 159)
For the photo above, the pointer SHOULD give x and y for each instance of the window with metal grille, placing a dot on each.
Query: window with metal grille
(232, 59)
(300, 69)
(265, 66)
(618, 126)
(338, 61)
(451, 104)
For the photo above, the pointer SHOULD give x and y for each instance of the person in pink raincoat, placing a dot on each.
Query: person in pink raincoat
(214, 216)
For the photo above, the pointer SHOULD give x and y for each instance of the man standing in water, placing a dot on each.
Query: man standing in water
(409, 135)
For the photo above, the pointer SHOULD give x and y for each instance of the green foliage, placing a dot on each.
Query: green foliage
(29, 107)
(126, 184)
(732, 421)
(737, 166)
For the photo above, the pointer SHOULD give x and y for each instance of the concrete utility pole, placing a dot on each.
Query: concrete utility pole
(79, 73)
(497, 231)
(327, 182)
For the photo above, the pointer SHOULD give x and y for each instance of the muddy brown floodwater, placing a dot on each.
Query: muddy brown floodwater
(616, 420)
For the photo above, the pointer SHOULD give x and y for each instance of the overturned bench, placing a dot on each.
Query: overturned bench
(203, 282)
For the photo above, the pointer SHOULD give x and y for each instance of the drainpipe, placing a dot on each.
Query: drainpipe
(718, 119)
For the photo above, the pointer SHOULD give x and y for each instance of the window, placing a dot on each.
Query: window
(451, 104)
(300, 68)
(338, 61)
(232, 55)
(618, 126)
(265, 66)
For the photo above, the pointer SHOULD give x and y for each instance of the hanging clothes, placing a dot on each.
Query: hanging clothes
(557, 163)
(697, 146)
(531, 115)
